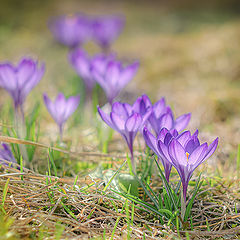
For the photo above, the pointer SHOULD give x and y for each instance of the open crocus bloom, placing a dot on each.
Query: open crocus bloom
(6, 155)
(106, 29)
(114, 77)
(165, 136)
(61, 109)
(21, 79)
(185, 153)
(124, 119)
(71, 30)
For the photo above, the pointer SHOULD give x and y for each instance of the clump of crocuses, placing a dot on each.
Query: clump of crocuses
(103, 69)
(71, 30)
(127, 120)
(83, 65)
(182, 151)
(20, 80)
(61, 109)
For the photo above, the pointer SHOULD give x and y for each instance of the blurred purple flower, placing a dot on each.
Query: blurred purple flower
(127, 121)
(61, 109)
(185, 153)
(71, 30)
(162, 117)
(82, 63)
(114, 77)
(20, 80)
(165, 136)
(6, 155)
(106, 29)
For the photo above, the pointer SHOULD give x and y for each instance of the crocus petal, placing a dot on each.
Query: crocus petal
(72, 104)
(192, 145)
(70, 30)
(142, 104)
(31, 83)
(167, 121)
(197, 155)
(26, 69)
(184, 137)
(174, 132)
(168, 138)
(128, 108)
(211, 149)
(146, 115)
(50, 106)
(8, 77)
(113, 73)
(177, 153)
(120, 110)
(106, 118)
(106, 29)
(133, 122)
(82, 65)
(117, 121)
(154, 122)
(159, 107)
(99, 79)
(164, 153)
(150, 140)
(195, 134)
(100, 62)
(128, 73)
(60, 108)
(162, 134)
(182, 121)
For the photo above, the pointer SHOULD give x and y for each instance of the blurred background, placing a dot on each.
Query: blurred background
(189, 52)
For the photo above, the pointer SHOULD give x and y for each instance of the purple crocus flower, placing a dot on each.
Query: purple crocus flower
(6, 155)
(61, 109)
(106, 29)
(83, 64)
(165, 136)
(114, 77)
(71, 30)
(185, 153)
(127, 121)
(162, 117)
(20, 80)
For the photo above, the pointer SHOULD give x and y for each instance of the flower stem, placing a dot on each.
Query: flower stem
(61, 133)
(132, 161)
(21, 129)
(183, 205)
(88, 96)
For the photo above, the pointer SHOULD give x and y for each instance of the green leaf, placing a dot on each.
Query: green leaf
(125, 181)
(189, 206)
(162, 212)
(167, 186)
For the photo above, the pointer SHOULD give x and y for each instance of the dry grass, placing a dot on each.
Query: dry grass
(40, 203)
